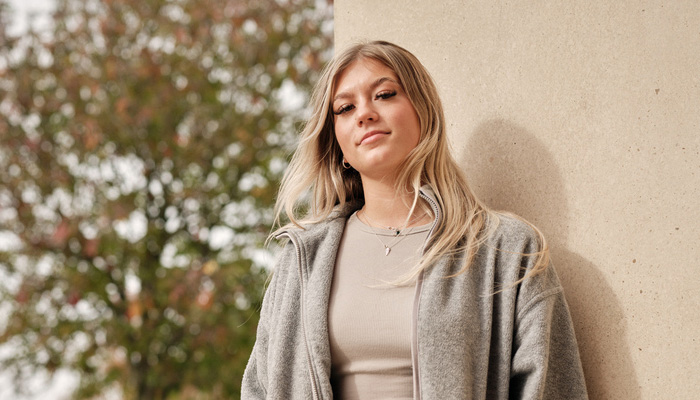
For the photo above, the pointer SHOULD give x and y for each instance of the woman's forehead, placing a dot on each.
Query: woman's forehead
(362, 71)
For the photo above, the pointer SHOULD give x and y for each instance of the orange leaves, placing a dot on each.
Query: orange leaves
(195, 289)
(61, 233)
(142, 88)
(134, 312)
(92, 135)
(205, 299)
(210, 267)
(91, 247)
(119, 211)
(182, 36)
(23, 295)
(110, 70)
(121, 105)
(312, 59)
(73, 297)
(242, 135)
(176, 293)
(182, 140)
(145, 114)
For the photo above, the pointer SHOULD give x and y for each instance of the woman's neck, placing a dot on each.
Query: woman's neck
(385, 206)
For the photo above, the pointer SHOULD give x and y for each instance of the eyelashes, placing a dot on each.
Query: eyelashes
(343, 109)
(386, 94)
(383, 95)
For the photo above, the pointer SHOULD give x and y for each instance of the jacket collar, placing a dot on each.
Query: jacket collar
(337, 218)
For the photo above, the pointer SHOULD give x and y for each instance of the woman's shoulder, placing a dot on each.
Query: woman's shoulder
(510, 230)
(311, 240)
(308, 229)
(315, 225)
(518, 243)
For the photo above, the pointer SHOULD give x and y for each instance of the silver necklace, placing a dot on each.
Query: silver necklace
(397, 238)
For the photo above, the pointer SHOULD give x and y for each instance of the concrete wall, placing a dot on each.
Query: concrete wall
(584, 118)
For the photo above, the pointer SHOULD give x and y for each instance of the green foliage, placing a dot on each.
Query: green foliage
(140, 146)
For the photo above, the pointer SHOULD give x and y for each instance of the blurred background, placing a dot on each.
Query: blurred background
(141, 142)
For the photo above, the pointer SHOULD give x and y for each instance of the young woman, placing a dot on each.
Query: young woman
(396, 282)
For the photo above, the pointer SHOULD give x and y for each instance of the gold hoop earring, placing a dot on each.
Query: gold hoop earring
(346, 164)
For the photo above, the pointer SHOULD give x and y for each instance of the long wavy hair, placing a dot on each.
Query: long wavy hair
(315, 183)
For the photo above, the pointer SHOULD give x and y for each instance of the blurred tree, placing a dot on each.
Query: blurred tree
(140, 146)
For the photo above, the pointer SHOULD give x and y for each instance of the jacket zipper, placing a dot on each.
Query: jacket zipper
(312, 371)
(416, 307)
(414, 322)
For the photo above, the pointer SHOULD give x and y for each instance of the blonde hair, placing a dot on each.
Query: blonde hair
(316, 167)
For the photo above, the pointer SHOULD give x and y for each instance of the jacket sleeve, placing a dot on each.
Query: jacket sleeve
(546, 362)
(254, 385)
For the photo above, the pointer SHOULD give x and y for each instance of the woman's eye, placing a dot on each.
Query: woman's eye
(343, 109)
(386, 94)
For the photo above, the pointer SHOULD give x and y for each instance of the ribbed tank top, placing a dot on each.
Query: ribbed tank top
(369, 320)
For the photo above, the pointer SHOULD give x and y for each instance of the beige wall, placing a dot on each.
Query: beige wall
(583, 117)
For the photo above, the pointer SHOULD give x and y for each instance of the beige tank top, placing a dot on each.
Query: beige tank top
(369, 321)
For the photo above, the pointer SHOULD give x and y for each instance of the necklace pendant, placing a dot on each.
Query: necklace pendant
(386, 251)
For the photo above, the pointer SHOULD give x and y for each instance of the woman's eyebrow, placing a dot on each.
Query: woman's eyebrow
(372, 86)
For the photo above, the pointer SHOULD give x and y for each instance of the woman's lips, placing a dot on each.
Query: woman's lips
(372, 136)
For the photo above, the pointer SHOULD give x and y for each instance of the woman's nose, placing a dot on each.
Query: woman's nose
(366, 113)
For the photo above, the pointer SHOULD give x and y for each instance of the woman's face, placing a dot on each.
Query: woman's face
(375, 123)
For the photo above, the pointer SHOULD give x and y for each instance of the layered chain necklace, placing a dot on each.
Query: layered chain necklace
(400, 235)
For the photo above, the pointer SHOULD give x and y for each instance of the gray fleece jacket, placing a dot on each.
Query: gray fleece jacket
(467, 342)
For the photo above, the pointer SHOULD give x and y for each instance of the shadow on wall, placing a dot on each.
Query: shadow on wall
(511, 170)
